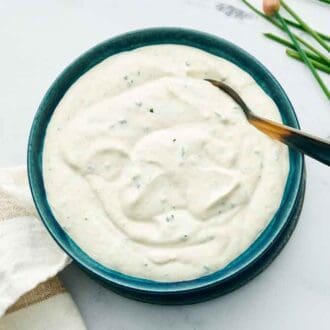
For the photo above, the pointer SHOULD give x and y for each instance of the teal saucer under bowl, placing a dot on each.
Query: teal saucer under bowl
(249, 263)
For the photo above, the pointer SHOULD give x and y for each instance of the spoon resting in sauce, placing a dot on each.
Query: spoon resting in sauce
(312, 146)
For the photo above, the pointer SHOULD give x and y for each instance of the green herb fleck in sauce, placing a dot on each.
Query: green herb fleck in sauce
(183, 152)
(185, 237)
(206, 269)
(136, 181)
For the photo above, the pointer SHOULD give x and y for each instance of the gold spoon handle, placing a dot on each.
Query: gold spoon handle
(310, 145)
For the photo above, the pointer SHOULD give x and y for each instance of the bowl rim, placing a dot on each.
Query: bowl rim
(128, 41)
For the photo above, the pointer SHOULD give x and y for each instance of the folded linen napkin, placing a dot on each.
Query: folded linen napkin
(30, 296)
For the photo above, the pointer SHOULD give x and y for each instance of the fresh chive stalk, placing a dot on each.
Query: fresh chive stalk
(305, 26)
(289, 44)
(304, 56)
(318, 65)
(299, 27)
(288, 21)
(277, 24)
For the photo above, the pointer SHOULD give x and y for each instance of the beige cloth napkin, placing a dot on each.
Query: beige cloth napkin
(31, 297)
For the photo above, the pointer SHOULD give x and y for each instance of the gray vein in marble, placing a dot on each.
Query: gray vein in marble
(232, 11)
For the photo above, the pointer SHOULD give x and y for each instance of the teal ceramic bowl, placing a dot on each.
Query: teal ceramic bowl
(243, 268)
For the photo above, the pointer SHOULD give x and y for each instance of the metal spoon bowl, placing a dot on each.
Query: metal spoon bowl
(310, 145)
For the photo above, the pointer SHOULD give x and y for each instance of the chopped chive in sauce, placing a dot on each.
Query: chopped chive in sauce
(136, 181)
(183, 152)
(170, 218)
(122, 122)
(206, 269)
(151, 110)
(90, 169)
(139, 104)
(130, 83)
(174, 140)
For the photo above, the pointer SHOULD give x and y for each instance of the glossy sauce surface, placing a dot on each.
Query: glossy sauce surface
(156, 173)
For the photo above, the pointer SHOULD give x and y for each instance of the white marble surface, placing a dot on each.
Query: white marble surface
(39, 38)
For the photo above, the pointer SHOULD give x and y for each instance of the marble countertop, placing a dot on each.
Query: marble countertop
(39, 38)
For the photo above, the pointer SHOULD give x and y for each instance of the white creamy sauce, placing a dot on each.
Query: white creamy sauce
(156, 173)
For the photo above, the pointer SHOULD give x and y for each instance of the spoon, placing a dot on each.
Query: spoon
(312, 146)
